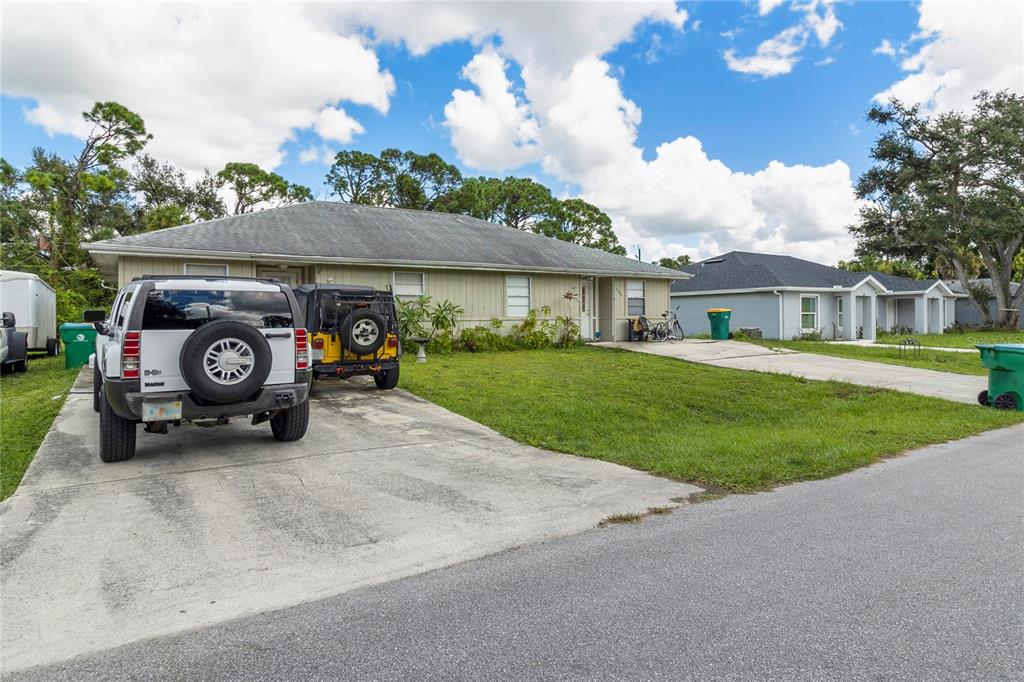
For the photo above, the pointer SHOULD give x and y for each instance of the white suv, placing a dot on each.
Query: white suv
(200, 349)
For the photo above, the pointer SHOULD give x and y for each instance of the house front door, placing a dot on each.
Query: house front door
(587, 309)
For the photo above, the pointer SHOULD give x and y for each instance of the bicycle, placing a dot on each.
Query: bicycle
(669, 328)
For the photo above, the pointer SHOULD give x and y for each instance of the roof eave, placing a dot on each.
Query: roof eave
(119, 250)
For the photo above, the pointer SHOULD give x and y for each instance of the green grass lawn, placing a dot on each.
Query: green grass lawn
(955, 339)
(27, 408)
(958, 363)
(744, 431)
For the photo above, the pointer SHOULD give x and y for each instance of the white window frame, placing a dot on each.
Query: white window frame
(817, 309)
(529, 295)
(227, 269)
(394, 283)
(642, 297)
(840, 314)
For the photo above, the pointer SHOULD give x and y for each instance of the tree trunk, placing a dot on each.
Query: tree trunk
(1000, 270)
(965, 283)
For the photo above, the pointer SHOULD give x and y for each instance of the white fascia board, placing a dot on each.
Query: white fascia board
(870, 279)
(109, 249)
(753, 290)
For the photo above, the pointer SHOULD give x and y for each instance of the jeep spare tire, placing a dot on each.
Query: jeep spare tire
(363, 331)
(225, 361)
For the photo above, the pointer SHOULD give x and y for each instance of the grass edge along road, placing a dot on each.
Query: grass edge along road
(29, 403)
(957, 339)
(744, 431)
(925, 358)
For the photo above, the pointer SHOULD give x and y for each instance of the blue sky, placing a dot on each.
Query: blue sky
(671, 67)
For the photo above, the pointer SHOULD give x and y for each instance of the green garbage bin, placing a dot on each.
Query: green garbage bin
(1005, 362)
(719, 322)
(79, 343)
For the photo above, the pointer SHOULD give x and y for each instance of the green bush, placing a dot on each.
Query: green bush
(481, 339)
(70, 306)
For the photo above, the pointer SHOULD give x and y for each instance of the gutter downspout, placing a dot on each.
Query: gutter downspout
(781, 317)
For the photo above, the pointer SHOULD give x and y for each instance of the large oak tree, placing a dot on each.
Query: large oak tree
(947, 187)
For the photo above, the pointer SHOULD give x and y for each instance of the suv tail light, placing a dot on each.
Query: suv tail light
(301, 349)
(131, 354)
(318, 343)
(392, 341)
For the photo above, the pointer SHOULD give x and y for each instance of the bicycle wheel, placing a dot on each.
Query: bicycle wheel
(678, 331)
(660, 332)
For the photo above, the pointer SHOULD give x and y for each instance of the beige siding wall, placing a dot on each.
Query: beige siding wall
(136, 266)
(481, 294)
(656, 302)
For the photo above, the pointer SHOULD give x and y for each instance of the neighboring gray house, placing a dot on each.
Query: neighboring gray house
(968, 315)
(785, 297)
(492, 271)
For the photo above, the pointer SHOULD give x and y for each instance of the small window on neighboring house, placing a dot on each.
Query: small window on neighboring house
(408, 284)
(517, 296)
(839, 312)
(635, 297)
(207, 269)
(808, 313)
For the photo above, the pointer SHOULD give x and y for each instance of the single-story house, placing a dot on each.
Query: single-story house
(492, 271)
(786, 297)
(967, 313)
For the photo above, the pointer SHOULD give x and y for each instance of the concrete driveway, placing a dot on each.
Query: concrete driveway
(961, 388)
(210, 524)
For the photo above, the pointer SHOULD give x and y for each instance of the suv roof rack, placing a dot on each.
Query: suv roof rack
(209, 278)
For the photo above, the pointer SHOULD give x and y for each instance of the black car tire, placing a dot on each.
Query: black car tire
(386, 379)
(288, 425)
(97, 384)
(17, 355)
(361, 319)
(117, 435)
(51, 347)
(193, 353)
(1005, 401)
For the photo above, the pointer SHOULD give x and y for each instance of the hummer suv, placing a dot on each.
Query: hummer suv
(200, 349)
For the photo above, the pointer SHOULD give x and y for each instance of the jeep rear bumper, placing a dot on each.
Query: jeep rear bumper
(351, 369)
(126, 400)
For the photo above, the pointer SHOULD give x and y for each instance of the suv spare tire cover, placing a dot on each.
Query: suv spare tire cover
(225, 361)
(363, 331)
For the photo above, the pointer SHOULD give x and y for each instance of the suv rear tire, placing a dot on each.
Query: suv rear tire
(288, 425)
(386, 379)
(117, 435)
(97, 384)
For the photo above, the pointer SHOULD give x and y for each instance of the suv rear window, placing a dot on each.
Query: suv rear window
(190, 308)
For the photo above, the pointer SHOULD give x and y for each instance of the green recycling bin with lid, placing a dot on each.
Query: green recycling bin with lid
(79, 341)
(1005, 362)
(719, 322)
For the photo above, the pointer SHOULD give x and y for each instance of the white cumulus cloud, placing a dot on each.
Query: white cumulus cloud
(885, 48)
(214, 83)
(491, 129)
(778, 55)
(334, 125)
(966, 47)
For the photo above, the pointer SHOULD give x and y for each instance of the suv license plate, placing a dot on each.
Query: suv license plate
(161, 411)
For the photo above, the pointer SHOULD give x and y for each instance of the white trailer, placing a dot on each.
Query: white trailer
(34, 305)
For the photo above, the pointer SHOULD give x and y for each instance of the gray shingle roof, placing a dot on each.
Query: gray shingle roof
(744, 270)
(982, 281)
(340, 232)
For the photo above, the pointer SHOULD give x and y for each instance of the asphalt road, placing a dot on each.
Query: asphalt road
(911, 569)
